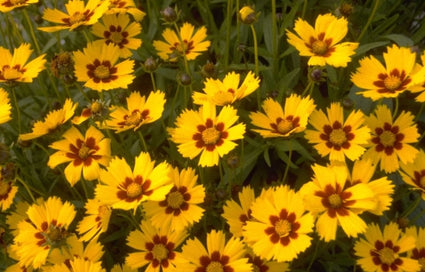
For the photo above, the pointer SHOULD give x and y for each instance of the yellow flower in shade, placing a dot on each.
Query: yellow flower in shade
(77, 264)
(413, 173)
(97, 66)
(155, 247)
(418, 252)
(236, 214)
(278, 122)
(391, 139)
(383, 251)
(84, 153)
(140, 110)
(204, 132)
(7, 192)
(219, 254)
(421, 96)
(97, 110)
(53, 120)
(5, 107)
(322, 43)
(45, 229)
(227, 91)
(78, 14)
(279, 227)
(123, 268)
(261, 265)
(14, 68)
(118, 30)
(338, 138)
(397, 76)
(8, 5)
(362, 172)
(337, 203)
(180, 207)
(125, 6)
(187, 42)
(17, 215)
(95, 221)
(123, 188)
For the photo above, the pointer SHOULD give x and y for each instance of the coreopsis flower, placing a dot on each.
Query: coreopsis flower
(279, 122)
(391, 140)
(84, 153)
(262, 265)
(17, 215)
(78, 14)
(140, 111)
(97, 110)
(362, 172)
(180, 207)
(5, 107)
(118, 30)
(123, 188)
(379, 81)
(247, 15)
(336, 203)
(322, 43)
(418, 252)
(8, 5)
(14, 68)
(383, 251)
(279, 226)
(123, 268)
(228, 90)
(204, 132)
(155, 247)
(338, 138)
(45, 229)
(421, 96)
(8, 192)
(237, 214)
(97, 66)
(95, 221)
(77, 264)
(53, 120)
(187, 42)
(219, 254)
(125, 6)
(413, 173)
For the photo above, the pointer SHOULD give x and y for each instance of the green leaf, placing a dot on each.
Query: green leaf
(400, 39)
(267, 157)
(364, 48)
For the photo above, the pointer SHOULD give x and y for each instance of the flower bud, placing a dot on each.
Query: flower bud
(184, 79)
(150, 65)
(169, 14)
(247, 15)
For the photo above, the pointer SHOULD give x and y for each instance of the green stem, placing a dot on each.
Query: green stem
(26, 188)
(369, 21)
(418, 115)
(34, 39)
(142, 139)
(275, 41)
(304, 8)
(285, 175)
(412, 206)
(316, 249)
(395, 107)
(228, 28)
(153, 82)
(18, 111)
(307, 88)
(254, 37)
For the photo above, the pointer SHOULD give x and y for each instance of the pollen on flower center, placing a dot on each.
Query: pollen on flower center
(84, 152)
(387, 138)
(102, 72)
(77, 17)
(4, 188)
(175, 199)
(96, 107)
(211, 135)
(283, 227)
(11, 73)
(284, 126)
(159, 252)
(215, 267)
(392, 83)
(55, 235)
(337, 137)
(116, 37)
(386, 255)
(319, 47)
(134, 190)
(335, 201)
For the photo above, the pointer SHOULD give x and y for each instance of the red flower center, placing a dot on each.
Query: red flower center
(135, 118)
(176, 201)
(210, 135)
(337, 136)
(116, 35)
(5, 188)
(78, 17)
(83, 152)
(284, 228)
(101, 71)
(160, 251)
(335, 200)
(214, 263)
(387, 138)
(284, 126)
(321, 47)
(419, 179)
(385, 255)
(393, 82)
(134, 189)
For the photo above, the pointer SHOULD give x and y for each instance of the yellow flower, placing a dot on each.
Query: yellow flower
(227, 91)
(279, 225)
(180, 207)
(97, 110)
(204, 132)
(219, 254)
(335, 202)
(391, 139)
(278, 122)
(95, 221)
(139, 111)
(338, 138)
(51, 122)
(97, 66)
(7, 192)
(247, 15)
(5, 107)
(321, 43)
(45, 229)
(125, 6)
(413, 173)
(8, 5)
(77, 264)
(395, 77)
(418, 252)
(261, 265)
(118, 30)
(14, 68)
(383, 251)
(187, 42)
(123, 188)
(155, 247)
(78, 14)
(84, 154)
